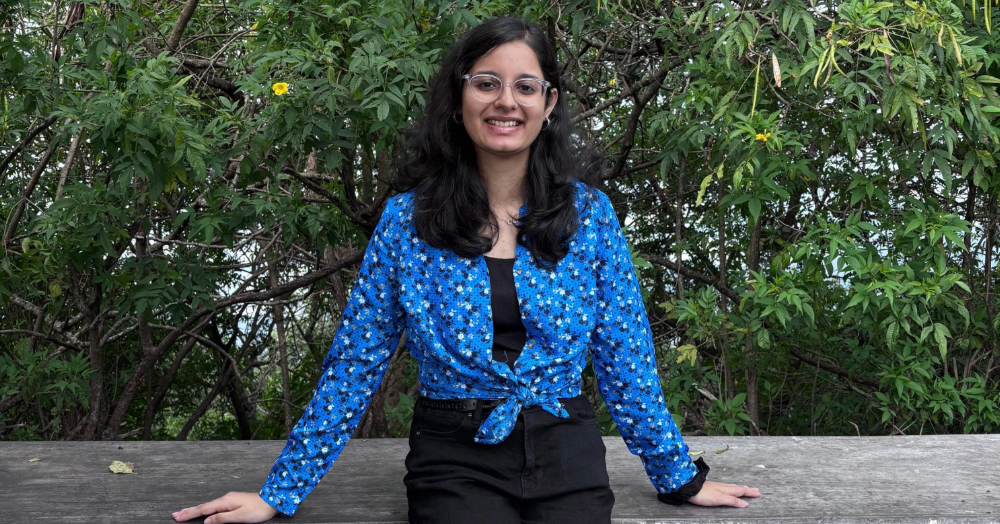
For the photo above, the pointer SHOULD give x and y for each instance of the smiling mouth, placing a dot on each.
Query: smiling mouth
(504, 123)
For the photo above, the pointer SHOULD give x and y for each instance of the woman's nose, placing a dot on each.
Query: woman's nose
(506, 97)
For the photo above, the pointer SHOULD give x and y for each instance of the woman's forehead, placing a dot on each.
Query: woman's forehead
(512, 60)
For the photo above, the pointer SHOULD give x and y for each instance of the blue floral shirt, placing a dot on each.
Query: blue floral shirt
(591, 302)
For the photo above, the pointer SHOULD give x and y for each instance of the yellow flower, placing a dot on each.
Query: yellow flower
(760, 136)
(612, 82)
(280, 88)
(253, 26)
(763, 136)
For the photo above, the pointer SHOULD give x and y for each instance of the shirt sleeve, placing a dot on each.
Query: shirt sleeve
(364, 341)
(625, 360)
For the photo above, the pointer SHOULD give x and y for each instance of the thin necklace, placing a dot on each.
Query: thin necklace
(509, 220)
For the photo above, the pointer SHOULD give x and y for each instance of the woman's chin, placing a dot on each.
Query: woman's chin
(500, 148)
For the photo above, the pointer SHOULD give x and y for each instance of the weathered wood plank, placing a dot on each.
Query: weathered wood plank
(940, 478)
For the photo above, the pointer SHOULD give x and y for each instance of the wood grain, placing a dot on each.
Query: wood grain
(902, 479)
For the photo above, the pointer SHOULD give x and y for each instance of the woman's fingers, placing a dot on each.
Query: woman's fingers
(718, 494)
(224, 503)
(238, 515)
(738, 491)
(234, 507)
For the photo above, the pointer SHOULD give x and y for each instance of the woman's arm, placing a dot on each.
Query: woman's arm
(625, 366)
(625, 360)
(352, 371)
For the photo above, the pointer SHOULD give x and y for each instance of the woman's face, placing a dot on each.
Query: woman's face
(509, 62)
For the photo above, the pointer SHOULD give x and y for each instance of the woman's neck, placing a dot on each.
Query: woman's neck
(504, 179)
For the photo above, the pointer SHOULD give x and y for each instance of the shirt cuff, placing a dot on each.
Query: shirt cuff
(685, 492)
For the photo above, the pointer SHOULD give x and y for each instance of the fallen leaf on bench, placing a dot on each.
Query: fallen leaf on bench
(719, 451)
(695, 453)
(118, 466)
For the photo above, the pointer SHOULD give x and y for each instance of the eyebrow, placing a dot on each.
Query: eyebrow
(494, 73)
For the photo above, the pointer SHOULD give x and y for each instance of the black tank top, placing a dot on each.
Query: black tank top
(509, 335)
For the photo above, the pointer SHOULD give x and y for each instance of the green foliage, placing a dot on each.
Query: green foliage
(849, 145)
(729, 416)
(51, 383)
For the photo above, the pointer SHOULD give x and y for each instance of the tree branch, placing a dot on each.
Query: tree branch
(15, 216)
(27, 140)
(836, 370)
(132, 386)
(690, 273)
(182, 22)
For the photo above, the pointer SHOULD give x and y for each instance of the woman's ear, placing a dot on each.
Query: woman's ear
(552, 102)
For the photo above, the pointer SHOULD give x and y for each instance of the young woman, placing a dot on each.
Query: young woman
(506, 270)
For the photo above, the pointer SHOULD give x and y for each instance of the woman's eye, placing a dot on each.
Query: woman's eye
(486, 85)
(527, 89)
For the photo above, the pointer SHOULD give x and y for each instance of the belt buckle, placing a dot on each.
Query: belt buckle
(477, 415)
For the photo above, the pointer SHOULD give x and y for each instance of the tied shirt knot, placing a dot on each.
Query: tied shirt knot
(501, 420)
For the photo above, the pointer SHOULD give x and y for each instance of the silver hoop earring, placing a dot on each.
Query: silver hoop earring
(454, 116)
(547, 125)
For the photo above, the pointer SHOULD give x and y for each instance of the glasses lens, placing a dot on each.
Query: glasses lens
(527, 92)
(485, 87)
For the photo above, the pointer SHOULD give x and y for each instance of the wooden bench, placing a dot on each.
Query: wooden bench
(931, 478)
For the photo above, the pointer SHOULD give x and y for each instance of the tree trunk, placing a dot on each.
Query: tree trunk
(970, 217)
(990, 309)
(234, 389)
(753, 262)
(730, 387)
(95, 419)
(678, 226)
(224, 377)
(279, 325)
(163, 387)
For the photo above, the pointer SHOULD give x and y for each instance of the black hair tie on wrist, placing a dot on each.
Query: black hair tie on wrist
(679, 497)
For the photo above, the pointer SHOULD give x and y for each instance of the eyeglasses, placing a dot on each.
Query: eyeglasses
(487, 88)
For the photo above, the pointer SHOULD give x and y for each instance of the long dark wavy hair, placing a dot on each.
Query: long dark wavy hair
(438, 160)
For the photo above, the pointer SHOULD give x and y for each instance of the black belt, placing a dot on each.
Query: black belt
(475, 406)
(466, 404)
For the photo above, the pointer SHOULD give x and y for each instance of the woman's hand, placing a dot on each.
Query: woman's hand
(719, 494)
(233, 507)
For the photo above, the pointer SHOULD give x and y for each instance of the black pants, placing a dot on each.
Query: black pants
(548, 470)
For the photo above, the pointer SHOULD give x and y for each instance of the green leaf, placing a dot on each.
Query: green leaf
(197, 164)
(891, 335)
(855, 300)
(578, 19)
(764, 339)
(118, 466)
(754, 206)
(704, 187)
(923, 333)
(941, 335)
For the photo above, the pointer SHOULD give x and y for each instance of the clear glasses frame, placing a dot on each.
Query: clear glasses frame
(468, 80)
